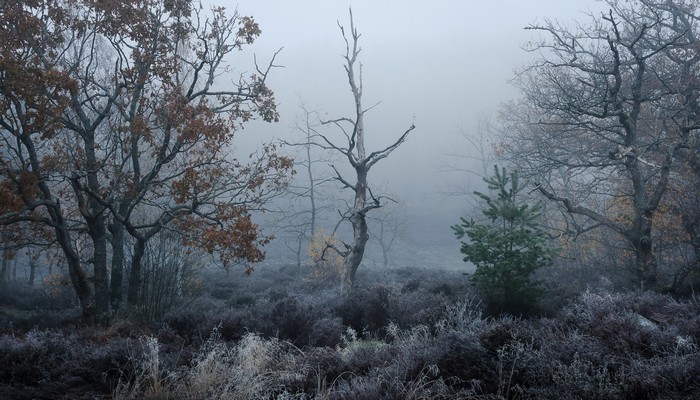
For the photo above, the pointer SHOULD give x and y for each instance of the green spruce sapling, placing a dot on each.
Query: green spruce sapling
(507, 247)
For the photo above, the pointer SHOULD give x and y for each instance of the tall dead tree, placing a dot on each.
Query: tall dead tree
(361, 162)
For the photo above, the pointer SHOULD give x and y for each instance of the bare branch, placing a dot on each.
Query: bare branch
(374, 157)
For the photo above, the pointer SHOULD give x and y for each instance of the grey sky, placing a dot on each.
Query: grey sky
(444, 62)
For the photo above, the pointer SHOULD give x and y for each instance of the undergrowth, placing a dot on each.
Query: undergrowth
(424, 336)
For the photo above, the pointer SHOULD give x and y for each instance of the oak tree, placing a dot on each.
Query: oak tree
(111, 128)
(608, 111)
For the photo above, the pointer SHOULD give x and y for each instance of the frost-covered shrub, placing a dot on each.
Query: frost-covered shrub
(361, 356)
(464, 362)
(44, 363)
(628, 323)
(372, 308)
(189, 323)
(603, 345)
(234, 323)
(578, 379)
(504, 331)
(294, 317)
(661, 377)
(617, 346)
(367, 309)
(415, 349)
(326, 332)
(463, 316)
(253, 368)
(418, 307)
(383, 385)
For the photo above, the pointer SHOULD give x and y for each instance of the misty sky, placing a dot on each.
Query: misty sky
(444, 63)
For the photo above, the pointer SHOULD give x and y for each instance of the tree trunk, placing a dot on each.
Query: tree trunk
(646, 264)
(78, 277)
(356, 155)
(312, 194)
(32, 266)
(692, 227)
(135, 272)
(357, 218)
(357, 250)
(97, 229)
(691, 218)
(14, 269)
(385, 255)
(98, 235)
(179, 276)
(117, 273)
(5, 267)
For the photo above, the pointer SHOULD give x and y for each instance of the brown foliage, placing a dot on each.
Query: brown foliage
(107, 123)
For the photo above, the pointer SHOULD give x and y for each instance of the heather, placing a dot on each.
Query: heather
(405, 334)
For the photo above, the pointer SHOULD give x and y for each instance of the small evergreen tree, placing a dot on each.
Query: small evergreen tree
(507, 247)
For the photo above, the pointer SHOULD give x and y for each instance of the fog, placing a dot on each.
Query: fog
(443, 65)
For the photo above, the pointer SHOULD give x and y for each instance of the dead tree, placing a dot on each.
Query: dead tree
(354, 150)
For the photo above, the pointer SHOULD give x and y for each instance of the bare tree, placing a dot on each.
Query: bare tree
(470, 158)
(606, 112)
(353, 130)
(682, 217)
(307, 204)
(387, 225)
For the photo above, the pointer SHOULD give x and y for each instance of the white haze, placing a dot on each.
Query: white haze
(443, 63)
